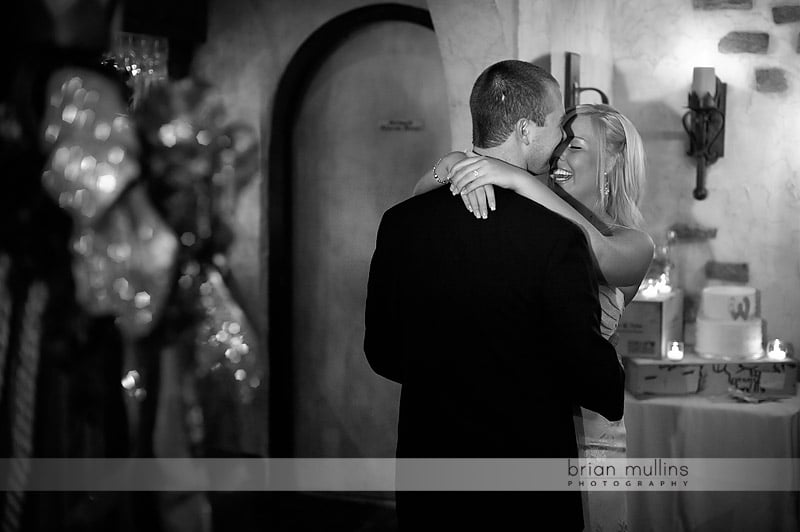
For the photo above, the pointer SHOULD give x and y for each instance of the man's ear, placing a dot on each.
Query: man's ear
(524, 130)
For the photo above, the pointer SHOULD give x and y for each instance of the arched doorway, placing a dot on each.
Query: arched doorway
(360, 113)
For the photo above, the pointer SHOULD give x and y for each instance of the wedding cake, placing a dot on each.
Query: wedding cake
(729, 323)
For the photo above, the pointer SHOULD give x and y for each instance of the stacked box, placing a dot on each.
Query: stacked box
(695, 375)
(649, 324)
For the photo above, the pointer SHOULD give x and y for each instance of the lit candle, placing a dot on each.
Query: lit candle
(675, 351)
(704, 81)
(776, 351)
(663, 284)
(651, 289)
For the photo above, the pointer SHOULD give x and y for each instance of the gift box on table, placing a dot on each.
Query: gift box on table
(649, 324)
(695, 375)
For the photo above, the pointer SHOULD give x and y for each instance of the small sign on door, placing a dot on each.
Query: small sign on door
(401, 125)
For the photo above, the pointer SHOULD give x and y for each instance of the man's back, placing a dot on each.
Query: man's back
(491, 326)
(486, 318)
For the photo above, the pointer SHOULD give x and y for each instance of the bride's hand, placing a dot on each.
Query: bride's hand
(479, 201)
(478, 171)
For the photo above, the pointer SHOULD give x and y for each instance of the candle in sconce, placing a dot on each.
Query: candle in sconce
(675, 351)
(776, 350)
(704, 81)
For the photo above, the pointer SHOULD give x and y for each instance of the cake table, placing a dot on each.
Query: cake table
(694, 426)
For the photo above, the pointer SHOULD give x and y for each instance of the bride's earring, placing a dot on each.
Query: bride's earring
(605, 190)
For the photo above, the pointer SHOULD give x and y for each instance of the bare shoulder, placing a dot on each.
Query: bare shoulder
(637, 239)
(638, 248)
(643, 242)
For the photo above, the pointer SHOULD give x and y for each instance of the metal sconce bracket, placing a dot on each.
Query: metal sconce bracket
(572, 82)
(704, 122)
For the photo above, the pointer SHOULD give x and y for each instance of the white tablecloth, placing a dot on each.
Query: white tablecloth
(701, 427)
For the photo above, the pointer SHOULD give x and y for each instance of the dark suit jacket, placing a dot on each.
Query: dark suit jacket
(492, 327)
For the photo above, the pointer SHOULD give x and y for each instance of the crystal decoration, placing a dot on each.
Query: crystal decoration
(87, 171)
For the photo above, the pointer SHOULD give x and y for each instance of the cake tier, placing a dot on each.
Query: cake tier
(730, 302)
(729, 339)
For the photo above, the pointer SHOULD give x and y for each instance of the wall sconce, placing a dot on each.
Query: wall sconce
(704, 122)
(572, 82)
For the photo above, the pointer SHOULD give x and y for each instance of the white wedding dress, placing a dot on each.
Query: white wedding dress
(599, 438)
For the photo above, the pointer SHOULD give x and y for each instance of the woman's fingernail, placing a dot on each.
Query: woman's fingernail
(491, 206)
(469, 208)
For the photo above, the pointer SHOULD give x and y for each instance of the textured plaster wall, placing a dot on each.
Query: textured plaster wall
(472, 35)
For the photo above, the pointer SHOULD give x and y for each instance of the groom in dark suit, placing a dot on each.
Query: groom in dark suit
(491, 326)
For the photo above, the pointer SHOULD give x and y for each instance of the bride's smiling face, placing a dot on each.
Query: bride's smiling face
(576, 168)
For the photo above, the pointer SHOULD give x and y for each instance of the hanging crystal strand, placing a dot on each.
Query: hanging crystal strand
(5, 317)
(23, 406)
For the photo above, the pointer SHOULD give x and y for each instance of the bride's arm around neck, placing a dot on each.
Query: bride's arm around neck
(622, 254)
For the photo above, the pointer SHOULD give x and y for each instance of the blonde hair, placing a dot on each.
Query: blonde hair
(621, 163)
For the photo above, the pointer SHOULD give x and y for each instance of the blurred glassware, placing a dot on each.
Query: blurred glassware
(143, 58)
(661, 277)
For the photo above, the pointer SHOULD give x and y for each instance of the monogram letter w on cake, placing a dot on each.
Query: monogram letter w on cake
(729, 325)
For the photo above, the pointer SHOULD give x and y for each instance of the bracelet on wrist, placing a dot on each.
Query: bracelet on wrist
(441, 181)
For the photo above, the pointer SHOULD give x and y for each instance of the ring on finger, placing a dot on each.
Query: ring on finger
(475, 173)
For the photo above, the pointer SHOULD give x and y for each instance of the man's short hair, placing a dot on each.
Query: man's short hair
(503, 94)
